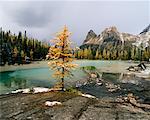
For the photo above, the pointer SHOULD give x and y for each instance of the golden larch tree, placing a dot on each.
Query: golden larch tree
(15, 51)
(61, 56)
(97, 54)
(85, 53)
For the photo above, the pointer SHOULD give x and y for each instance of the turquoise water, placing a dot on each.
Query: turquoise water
(42, 77)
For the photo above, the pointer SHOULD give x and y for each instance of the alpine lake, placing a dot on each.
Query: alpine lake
(42, 77)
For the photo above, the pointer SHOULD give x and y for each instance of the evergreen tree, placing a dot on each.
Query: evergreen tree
(85, 53)
(108, 55)
(146, 55)
(114, 55)
(90, 55)
(137, 54)
(12, 46)
(133, 53)
(100, 55)
(125, 55)
(104, 54)
(97, 54)
(31, 54)
(122, 55)
(22, 56)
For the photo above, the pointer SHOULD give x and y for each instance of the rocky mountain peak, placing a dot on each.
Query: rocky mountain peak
(111, 29)
(111, 32)
(91, 34)
(111, 35)
(112, 39)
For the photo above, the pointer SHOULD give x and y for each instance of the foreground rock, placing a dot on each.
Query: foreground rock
(74, 107)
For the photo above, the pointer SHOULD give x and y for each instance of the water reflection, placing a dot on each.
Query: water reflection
(42, 78)
(122, 78)
(128, 83)
(15, 82)
(32, 78)
(128, 78)
(9, 83)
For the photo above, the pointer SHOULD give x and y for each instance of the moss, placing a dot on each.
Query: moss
(88, 68)
(73, 90)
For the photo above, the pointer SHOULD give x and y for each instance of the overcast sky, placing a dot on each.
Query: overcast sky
(43, 19)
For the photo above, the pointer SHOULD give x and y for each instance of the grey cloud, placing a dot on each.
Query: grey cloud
(32, 14)
(43, 19)
(31, 18)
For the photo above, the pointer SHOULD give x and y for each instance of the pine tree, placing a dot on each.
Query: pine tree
(104, 54)
(79, 54)
(137, 54)
(108, 55)
(22, 54)
(61, 56)
(76, 53)
(125, 55)
(18, 43)
(25, 42)
(114, 54)
(145, 55)
(90, 55)
(85, 53)
(97, 54)
(82, 54)
(15, 52)
(122, 55)
(133, 53)
(100, 55)
(31, 54)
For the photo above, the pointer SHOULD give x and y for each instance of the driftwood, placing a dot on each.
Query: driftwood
(132, 100)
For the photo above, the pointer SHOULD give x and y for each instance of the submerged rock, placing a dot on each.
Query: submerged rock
(144, 74)
(112, 87)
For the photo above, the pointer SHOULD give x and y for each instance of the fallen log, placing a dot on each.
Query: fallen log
(132, 100)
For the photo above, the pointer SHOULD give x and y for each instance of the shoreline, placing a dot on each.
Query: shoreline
(119, 67)
(35, 64)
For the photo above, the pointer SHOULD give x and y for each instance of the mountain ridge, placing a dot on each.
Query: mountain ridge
(112, 44)
(110, 32)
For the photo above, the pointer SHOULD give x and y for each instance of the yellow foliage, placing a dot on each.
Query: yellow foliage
(15, 51)
(61, 55)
